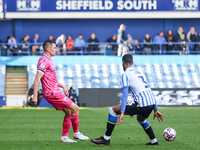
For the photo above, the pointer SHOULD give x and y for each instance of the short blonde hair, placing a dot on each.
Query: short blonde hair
(180, 29)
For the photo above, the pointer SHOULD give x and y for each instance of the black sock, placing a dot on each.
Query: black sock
(109, 129)
(150, 133)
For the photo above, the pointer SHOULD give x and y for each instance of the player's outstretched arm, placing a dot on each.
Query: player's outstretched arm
(38, 77)
(158, 115)
(64, 88)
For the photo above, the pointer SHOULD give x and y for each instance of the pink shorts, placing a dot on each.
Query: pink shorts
(59, 100)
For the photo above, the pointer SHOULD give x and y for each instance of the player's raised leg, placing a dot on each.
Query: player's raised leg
(75, 123)
(148, 129)
(112, 120)
(66, 127)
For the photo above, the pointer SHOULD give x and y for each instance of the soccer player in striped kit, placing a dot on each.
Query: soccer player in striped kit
(46, 73)
(142, 106)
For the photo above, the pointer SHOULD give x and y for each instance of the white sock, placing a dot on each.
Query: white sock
(106, 137)
(76, 133)
(63, 137)
(153, 140)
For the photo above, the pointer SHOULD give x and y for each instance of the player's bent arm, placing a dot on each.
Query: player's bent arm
(60, 85)
(123, 103)
(124, 98)
(64, 88)
(38, 77)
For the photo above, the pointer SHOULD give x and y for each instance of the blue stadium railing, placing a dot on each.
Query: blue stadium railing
(157, 48)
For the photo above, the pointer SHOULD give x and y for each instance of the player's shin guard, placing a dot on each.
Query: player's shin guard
(75, 122)
(112, 120)
(66, 126)
(147, 128)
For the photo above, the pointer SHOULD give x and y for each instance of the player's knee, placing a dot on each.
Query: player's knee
(145, 124)
(67, 112)
(111, 111)
(141, 122)
(140, 118)
(76, 109)
(112, 117)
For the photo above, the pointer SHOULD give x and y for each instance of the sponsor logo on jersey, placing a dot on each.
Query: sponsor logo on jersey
(42, 65)
(65, 99)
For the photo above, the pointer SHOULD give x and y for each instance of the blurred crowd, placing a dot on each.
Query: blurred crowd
(120, 43)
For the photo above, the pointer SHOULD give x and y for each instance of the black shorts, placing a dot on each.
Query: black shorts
(135, 109)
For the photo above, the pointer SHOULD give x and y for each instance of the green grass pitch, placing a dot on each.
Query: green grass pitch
(35, 129)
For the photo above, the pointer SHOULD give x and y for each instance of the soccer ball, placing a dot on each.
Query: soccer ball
(169, 134)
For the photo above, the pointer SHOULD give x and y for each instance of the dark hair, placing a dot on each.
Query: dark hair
(47, 43)
(169, 35)
(80, 34)
(70, 35)
(127, 59)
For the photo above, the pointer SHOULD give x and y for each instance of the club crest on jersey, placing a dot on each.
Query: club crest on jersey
(42, 65)
(65, 99)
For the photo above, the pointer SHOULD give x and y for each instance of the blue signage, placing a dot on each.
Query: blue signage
(28, 5)
(101, 5)
(1, 6)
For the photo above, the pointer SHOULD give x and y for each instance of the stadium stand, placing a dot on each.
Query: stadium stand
(102, 75)
(2, 77)
(162, 71)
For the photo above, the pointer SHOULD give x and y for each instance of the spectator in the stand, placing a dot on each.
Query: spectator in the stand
(7, 38)
(29, 94)
(51, 38)
(79, 43)
(192, 37)
(40, 96)
(60, 44)
(147, 48)
(198, 40)
(170, 38)
(129, 42)
(12, 43)
(121, 40)
(137, 46)
(178, 34)
(70, 43)
(24, 47)
(93, 39)
(183, 46)
(159, 39)
(36, 47)
(1, 42)
(72, 94)
(113, 39)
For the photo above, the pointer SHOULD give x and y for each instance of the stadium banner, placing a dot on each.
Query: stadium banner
(1, 9)
(102, 8)
(101, 5)
(165, 97)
